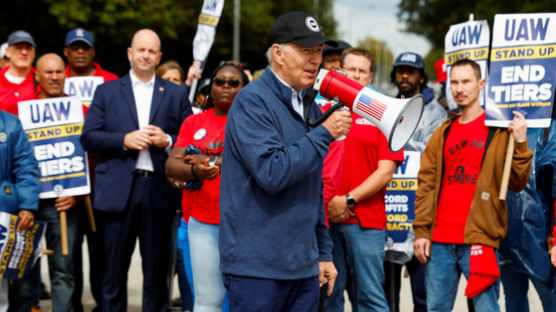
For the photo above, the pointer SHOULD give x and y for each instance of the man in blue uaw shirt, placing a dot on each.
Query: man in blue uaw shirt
(274, 245)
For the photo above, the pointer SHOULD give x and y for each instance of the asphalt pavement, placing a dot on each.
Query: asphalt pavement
(135, 282)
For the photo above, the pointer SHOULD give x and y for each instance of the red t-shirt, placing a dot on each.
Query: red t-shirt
(463, 154)
(206, 132)
(365, 145)
(11, 93)
(332, 169)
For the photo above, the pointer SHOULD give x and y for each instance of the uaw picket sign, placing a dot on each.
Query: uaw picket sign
(522, 69)
(54, 127)
(469, 40)
(18, 250)
(82, 87)
(400, 209)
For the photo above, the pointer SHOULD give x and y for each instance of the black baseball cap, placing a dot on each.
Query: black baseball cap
(299, 28)
(410, 59)
(342, 45)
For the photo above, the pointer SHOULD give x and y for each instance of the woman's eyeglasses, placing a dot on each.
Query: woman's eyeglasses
(234, 83)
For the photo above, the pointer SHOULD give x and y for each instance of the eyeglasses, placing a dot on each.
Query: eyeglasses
(234, 83)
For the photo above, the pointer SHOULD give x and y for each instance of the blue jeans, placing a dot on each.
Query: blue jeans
(60, 266)
(444, 268)
(183, 249)
(362, 252)
(516, 286)
(205, 262)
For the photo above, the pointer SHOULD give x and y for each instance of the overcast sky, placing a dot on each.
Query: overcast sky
(359, 19)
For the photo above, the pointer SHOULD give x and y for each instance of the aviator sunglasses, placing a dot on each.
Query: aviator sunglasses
(234, 83)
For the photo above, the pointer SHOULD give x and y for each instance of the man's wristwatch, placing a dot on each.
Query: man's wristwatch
(350, 201)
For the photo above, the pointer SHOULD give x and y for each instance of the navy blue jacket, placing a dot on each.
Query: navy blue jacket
(271, 203)
(111, 116)
(18, 167)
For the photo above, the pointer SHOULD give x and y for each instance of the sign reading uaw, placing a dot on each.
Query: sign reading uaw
(54, 127)
(522, 69)
(467, 40)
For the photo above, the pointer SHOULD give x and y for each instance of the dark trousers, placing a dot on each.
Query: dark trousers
(249, 294)
(141, 218)
(95, 247)
(393, 283)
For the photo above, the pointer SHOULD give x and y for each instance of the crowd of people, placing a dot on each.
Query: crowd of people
(265, 210)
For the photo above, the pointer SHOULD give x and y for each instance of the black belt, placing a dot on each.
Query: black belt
(140, 173)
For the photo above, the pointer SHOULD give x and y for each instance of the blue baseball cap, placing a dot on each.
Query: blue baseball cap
(410, 59)
(20, 36)
(79, 34)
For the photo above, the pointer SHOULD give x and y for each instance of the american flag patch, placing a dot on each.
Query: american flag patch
(371, 106)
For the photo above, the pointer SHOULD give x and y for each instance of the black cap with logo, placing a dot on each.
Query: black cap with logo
(299, 28)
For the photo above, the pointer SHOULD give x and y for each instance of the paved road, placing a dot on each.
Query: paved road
(136, 279)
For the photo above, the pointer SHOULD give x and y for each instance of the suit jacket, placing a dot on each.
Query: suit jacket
(111, 116)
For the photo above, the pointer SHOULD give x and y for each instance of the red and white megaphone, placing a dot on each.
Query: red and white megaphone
(396, 118)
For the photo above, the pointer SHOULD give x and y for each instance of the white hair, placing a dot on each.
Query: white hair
(269, 56)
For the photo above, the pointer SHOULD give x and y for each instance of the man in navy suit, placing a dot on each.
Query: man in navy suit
(132, 124)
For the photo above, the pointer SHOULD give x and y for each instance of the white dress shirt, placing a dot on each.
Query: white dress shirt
(143, 95)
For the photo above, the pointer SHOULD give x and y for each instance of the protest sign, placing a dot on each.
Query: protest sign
(54, 127)
(522, 67)
(467, 40)
(204, 37)
(18, 250)
(400, 209)
(82, 87)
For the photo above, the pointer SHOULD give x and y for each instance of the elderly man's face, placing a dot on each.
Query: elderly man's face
(298, 65)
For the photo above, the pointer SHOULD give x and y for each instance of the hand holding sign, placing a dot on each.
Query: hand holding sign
(518, 127)
(27, 219)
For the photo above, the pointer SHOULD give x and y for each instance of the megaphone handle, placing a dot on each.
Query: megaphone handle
(343, 136)
(335, 105)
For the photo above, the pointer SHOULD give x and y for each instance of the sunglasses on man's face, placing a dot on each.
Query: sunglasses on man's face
(234, 83)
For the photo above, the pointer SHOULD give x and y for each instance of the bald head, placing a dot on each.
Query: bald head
(49, 58)
(144, 54)
(50, 75)
(146, 35)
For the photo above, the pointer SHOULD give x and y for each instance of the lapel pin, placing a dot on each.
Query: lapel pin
(161, 89)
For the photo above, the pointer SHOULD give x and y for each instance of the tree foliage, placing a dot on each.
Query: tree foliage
(113, 22)
(433, 18)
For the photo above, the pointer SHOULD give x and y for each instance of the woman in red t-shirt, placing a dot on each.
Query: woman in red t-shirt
(196, 158)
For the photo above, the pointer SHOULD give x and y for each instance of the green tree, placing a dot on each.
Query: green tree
(113, 22)
(382, 63)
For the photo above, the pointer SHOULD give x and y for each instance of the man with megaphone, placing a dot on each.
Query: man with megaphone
(274, 245)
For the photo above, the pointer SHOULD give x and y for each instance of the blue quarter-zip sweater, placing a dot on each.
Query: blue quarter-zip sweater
(271, 204)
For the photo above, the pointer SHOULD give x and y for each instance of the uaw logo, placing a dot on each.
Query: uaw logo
(408, 57)
(312, 24)
(79, 32)
(3, 137)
